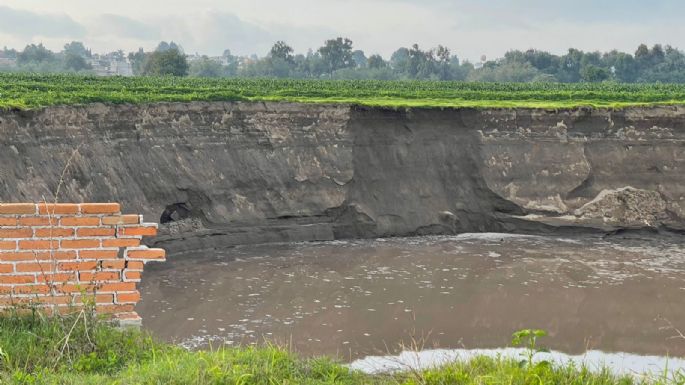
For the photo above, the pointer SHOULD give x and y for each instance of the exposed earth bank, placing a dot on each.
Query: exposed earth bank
(220, 174)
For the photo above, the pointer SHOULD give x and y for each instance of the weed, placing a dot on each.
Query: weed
(528, 338)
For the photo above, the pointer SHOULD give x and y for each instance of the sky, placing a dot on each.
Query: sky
(469, 28)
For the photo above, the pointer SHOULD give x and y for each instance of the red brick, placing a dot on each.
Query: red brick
(128, 297)
(31, 289)
(17, 208)
(120, 242)
(75, 288)
(80, 221)
(55, 255)
(106, 299)
(114, 308)
(100, 208)
(79, 266)
(8, 221)
(132, 275)
(138, 231)
(121, 220)
(95, 232)
(8, 245)
(34, 267)
(18, 256)
(38, 245)
(6, 268)
(55, 232)
(80, 243)
(9, 279)
(58, 208)
(52, 299)
(119, 286)
(146, 254)
(98, 254)
(135, 265)
(114, 264)
(16, 233)
(99, 276)
(36, 221)
(56, 278)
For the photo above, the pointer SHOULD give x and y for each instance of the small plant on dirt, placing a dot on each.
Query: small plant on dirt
(528, 339)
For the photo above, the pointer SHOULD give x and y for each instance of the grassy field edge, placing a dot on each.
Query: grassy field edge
(32, 91)
(81, 349)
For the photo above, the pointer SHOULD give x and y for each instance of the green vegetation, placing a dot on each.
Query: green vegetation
(25, 91)
(338, 59)
(79, 349)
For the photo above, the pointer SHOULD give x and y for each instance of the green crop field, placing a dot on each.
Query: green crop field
(26, 91)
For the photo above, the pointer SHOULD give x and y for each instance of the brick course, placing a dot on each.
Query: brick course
(59, 256)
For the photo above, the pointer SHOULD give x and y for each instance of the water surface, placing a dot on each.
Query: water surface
(353, 299)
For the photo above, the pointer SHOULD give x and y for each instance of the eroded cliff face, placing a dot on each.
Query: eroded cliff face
(218, 174)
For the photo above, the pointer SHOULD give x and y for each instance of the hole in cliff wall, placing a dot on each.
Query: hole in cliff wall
(175, 212)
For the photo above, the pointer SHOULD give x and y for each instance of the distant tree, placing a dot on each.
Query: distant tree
(169, 62)
(117, 55)
(313, 65)
(359, 58)
(622, 66)
(163, 46)
(337, 54)
(282, 51)
(206, 68)
(75, 62)
(376, 61)
(443, 59)
(416, 59)
(35, 54)
(657, 54)
(569, 66)
(591, 73)
(642, 52)
(138, 60)
(231, 63)
(541, 60)
(8, 53)
(399, 60)
(665, 65)
(76, 48)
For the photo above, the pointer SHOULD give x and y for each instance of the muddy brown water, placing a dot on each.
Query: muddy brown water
(367, 297)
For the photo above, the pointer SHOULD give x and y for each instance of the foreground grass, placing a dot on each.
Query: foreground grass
(79, 349)
(27, 91)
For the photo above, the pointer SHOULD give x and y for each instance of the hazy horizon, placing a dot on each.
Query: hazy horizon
(376, 26)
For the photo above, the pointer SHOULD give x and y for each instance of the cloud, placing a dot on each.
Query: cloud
(124, 27)
(211, 32)
(469, 27)
(29, 24)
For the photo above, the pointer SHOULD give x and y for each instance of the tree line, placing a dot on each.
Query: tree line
(338, 59)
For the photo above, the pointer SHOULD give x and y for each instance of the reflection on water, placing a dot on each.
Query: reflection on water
(369, 297)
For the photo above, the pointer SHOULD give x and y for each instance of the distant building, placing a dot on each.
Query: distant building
(109, 65)
(196, 57)
(8, 62)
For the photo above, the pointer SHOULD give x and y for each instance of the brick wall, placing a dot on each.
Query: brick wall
(60, 256)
